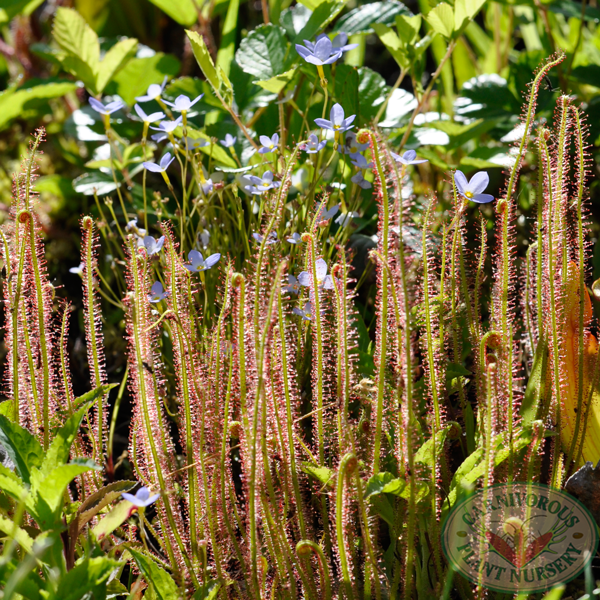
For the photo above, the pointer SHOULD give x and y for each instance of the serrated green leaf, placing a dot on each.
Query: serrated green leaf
(11, 483)
(441, 19)
(361, 19)
(19, 535)
(99, 500)
(384, 483)
(85, 577)
(277, 84)
(139, 73)
(47, 492)
(183, 12)
(393, 44)
(208, 591)
(465, 11)
(346, 88)
(113, 61)
(7, 407)
(263, 52)
(163, 583)
(425, 454)
(14, 102)
(115, 518)
(204, 59)
(372, 91)
(321, 474)
(408, 28)
(22, 447)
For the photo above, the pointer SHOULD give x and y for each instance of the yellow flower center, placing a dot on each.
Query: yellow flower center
(469, 194)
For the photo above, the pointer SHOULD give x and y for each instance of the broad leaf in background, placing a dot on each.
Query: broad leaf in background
(360, 19)
(321, 17)
(17, 102)
(82, 51)
(85, 578)
(183, 12)
(263, 52)
(10, 9)
(441, 19)
(163, 583)
(22, 447)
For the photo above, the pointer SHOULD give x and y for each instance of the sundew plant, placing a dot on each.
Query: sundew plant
(300, 349)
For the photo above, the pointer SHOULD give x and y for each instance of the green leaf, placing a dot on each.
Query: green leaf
(384, 483)
(207, 591)
(345, 88)
(227, 49)
(139, 73)
(383, 508)
(441, 19)
(11, 483)
(88, 183)
(85, 577)
(320, 18)
(320, 474)
(94, 394)
(115, 518)
(311, 4)
(263, 52)
(93, 504)
(277, 84)
(393, 44)
(425, 454)
(163, 583)
(535, 390)
(11, 8)
(16, 102)
(114, 60)
(19, 535)
(204, 59)
(183, 12)
(408, 28)
(60, 448)
(22, 447)
(47, 493)
(361, 19)
(464, 11)
(372, 91)
(7, 407)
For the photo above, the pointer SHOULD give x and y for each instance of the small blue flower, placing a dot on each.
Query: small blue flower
(358, 160)
(159, 137)
(165, 161)
(269, 144)
(77, 270)
(207, 186)
(132, 226)
(345, 218)
(262, 184)
(293, 287)
(142, 497)
(271, 238)
(320, 53)
(152, 246)
(323, 216)
(337, 122)
(305, 313)
(198, 263)
(157, 293)
(183, 103)
(323, 280)
(472, 190)
(313, 145)
(110, 108)
(408, 158)
(194, 144)
(340, 42)
(361, 181)
(168, 126)
(295, 239)
(229, 140)
(154, 92)
(351, 145)
(151, 118)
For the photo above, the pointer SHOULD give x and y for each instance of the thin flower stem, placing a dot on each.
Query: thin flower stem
(347, 465)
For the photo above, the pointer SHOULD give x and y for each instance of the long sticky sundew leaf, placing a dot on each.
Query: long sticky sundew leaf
(152, 447)
(93, 330)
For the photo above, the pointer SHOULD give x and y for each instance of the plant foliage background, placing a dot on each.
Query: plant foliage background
(297, 450)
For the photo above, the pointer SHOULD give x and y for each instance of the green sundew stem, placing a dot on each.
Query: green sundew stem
(563, 136)
(139, 293)
(366, 534)
(115, 413)
(290, 420)
(343, 366)
(347, 466)
(528, 320)
(411, 526)
(306, 547)
(540, 246)
(91, 314)
(41, 330)
(582, 290)
(185, 389)
(263, 245)
(543, 150)
(385, 204)
(34, 390)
